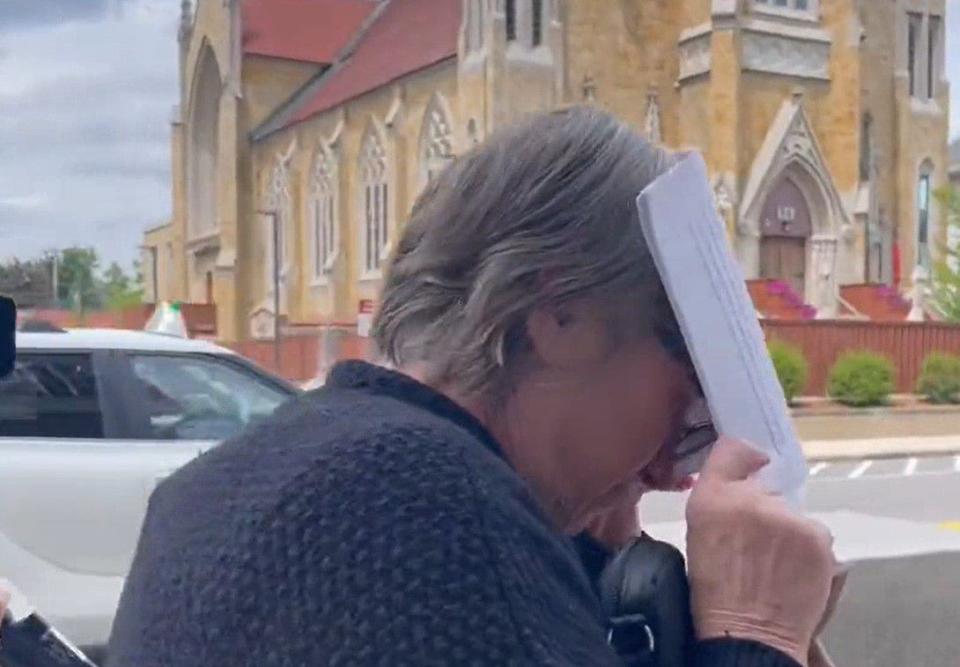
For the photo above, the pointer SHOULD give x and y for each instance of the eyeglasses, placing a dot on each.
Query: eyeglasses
(698, 433)
(697, 436)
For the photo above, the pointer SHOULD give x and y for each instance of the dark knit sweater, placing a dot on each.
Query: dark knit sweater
(371, 522)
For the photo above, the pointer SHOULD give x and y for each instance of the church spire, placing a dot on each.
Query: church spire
(186, 18)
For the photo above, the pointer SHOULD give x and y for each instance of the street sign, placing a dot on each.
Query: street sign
(365, 310)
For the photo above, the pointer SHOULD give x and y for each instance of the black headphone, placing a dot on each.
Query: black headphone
(646, 597)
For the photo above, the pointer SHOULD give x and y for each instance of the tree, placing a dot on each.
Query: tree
(78, 283)
(120, 291)
(946, 272)
(30, 282)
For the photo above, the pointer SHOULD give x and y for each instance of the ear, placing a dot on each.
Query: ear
(566, 336)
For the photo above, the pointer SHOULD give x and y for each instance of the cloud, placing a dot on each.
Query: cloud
(25, 14)
(86, 88)
(29, 202)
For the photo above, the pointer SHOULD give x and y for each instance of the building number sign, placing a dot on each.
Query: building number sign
(786, 214)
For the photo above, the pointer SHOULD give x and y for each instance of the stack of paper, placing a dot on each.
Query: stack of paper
(717, 318)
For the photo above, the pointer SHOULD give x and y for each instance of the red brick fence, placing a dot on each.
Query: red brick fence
(304, 357)
(906, 344)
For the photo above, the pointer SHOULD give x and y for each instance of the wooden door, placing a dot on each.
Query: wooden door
(785, 226)
(784, 258)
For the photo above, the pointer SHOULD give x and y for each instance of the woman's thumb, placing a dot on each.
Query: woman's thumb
(733, 460)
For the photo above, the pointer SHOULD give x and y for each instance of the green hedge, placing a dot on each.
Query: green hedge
(791, 367)
(940, 378)
(861, 379)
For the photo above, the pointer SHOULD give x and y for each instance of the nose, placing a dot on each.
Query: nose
(659, 474)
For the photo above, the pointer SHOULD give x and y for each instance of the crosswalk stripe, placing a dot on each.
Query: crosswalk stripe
(956, 463)
(860, 469)
(818, 468)
(911, 467)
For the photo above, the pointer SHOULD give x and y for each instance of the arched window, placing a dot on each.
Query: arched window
(801, 8)
(323, 213)
(436, 142)
(866, 146)
(536, 22)
(510, 9)
(924, 203)
(203, 131)
(374, 202)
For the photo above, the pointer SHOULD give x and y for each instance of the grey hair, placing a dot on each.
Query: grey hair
(538, 215)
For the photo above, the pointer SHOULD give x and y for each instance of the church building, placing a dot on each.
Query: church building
(306, 129)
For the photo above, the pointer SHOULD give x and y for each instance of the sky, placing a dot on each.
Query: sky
(86, 92)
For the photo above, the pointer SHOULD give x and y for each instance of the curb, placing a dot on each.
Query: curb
(880, 448)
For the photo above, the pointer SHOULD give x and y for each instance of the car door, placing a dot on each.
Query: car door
(178, 405)
(71, 486)
(85, 437)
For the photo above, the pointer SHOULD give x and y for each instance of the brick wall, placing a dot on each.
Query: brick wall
(906, 344)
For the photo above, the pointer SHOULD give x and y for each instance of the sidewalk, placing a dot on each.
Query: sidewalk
(872, 448)
(917, 430)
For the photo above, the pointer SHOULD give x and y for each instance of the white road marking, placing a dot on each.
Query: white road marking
(911, 467)
(818, 468)
(956, 464)
(860, 469)
(883, 476)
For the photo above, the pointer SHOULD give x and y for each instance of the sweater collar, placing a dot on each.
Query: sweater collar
(366, 377)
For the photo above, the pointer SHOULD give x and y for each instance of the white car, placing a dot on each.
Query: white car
(90, 422)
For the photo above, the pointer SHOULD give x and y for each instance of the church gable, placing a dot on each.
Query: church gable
(791, 144)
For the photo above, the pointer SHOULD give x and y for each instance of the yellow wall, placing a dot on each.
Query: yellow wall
(158, 246)
(762, 97)
(266, 80)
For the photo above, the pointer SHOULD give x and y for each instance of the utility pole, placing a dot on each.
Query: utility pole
(275, 232)
(55, 277)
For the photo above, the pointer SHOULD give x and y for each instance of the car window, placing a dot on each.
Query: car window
(201, 398)
(51, 396)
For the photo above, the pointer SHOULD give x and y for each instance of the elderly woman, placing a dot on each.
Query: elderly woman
(422, 515)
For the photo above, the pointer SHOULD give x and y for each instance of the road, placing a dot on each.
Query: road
(898, 521)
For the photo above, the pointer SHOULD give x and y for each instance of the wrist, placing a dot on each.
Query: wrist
(725, 625)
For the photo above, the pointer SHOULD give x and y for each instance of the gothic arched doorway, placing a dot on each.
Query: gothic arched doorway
(785, 228)
(203, 150)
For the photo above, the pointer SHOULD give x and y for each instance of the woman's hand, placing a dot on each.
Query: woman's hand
(758, 570)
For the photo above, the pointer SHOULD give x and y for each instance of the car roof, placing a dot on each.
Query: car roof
(114, 339)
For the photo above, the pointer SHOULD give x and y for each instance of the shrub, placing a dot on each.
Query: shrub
(791, 367)
(861, 379)
(940, 378)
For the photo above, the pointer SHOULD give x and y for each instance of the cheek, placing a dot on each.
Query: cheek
(644, 401)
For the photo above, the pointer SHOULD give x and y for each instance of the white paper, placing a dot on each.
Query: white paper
(719, 323)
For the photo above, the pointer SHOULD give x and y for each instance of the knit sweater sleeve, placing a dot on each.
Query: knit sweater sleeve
(406, 548)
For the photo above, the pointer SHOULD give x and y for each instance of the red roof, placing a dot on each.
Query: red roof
(308, 30)
(407, 36)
